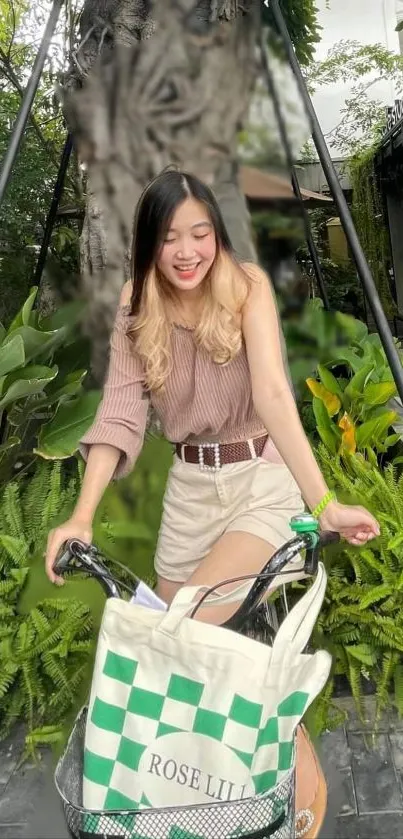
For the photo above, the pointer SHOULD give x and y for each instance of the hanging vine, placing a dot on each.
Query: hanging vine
(370, 224)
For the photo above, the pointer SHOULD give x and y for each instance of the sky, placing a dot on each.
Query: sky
(366, 21)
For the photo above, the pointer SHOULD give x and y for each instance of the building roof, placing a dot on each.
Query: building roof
(258, 185)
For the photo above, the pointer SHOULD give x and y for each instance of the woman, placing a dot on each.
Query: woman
(197, 336)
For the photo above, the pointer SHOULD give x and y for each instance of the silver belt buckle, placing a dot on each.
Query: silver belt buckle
(217, 462)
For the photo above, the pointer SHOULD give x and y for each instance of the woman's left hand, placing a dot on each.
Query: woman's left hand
(355, 524)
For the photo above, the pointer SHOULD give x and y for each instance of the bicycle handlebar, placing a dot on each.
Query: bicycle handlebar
(274, 568)
(77, 556)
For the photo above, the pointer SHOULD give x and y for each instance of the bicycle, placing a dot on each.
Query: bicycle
(272, 815)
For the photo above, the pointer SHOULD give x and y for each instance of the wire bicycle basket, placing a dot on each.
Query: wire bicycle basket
(269, 815)
(259, 815)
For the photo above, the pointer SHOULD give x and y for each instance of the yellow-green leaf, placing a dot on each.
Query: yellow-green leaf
(379, 393)
(348, 441)
(330, 400)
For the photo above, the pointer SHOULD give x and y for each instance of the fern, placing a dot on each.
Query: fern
(35, 496)
(44, 653)
(7, 677)
(375, 595)
(15, 547)
(389, 662)
(324, 714)
(12, 510)
(361, 623)
(51, 507)
(398, 687)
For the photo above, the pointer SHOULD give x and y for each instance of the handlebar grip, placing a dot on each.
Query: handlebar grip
(328, 538)
(312, 554)
(63, 559)
(70, 550)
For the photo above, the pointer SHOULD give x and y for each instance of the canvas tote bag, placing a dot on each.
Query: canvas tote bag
(182, 712)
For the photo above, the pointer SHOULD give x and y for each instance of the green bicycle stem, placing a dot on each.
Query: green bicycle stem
(305, 523)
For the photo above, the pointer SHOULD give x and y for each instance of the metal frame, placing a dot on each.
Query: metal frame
(28, 99)
(51, 217)
(363, 269)
(313, 252)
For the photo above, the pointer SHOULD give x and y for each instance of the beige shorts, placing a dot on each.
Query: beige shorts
(254, 496)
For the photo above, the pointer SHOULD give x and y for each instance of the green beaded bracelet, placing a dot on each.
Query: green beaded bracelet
(330, 496)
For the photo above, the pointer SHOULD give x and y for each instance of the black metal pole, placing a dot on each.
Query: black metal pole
(50, 220)
(28, 99)
(290, 163)
(363, 268)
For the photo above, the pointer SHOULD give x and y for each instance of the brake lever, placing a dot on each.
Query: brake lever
(88, 556)
(312, 561)
(313, 553)
(70, 550)
(63, 559)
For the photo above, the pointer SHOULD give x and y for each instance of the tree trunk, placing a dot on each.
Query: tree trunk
(155, 83)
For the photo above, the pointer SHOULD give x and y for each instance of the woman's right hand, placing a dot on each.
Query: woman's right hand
(74, 528)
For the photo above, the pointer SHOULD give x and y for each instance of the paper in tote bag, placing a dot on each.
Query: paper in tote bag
(182, 712)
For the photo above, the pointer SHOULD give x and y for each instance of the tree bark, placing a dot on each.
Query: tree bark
(154, 83)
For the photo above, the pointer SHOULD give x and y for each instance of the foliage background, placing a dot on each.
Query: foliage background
(44, 671)
(28, 196)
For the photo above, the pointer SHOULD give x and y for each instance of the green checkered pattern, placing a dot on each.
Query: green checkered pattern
(119, 731)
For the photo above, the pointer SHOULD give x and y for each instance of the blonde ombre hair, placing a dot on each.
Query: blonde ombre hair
(219, 328)
(225, 287)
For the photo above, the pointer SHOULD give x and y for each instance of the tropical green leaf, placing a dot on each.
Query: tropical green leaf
(12, 355)
(26, 382)
(60, 438)
(325, 427)
(349, 357)
(354, 329)
(24, 315)
(36, 342)
(374, 429)
(39, 406)
(68, 315)
(71, 385)
(329, 381)
(358, 381)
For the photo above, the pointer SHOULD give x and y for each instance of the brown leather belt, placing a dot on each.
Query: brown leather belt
(214, 455)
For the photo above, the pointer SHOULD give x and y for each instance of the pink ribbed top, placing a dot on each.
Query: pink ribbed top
(202, 401)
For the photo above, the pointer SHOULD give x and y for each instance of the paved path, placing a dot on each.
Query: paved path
(365, 786)
(365, 778)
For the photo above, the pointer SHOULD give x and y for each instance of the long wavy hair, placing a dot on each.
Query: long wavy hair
(225, 287)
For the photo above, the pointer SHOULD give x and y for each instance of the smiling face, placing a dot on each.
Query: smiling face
(189, 247)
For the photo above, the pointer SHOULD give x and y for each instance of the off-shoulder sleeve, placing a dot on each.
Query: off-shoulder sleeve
(122, 414)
